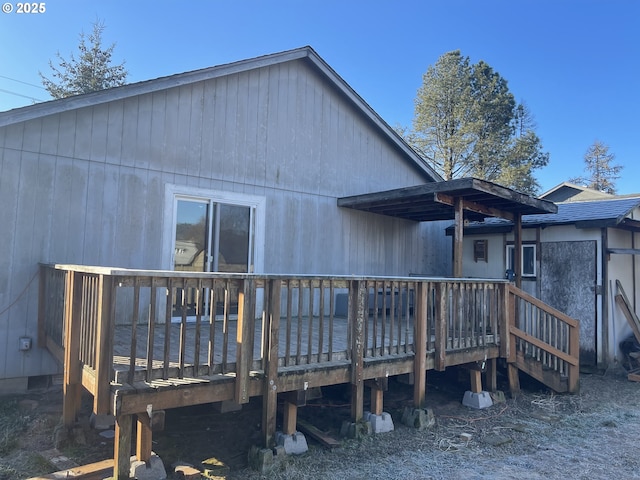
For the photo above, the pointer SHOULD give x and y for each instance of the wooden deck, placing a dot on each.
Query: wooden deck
(142, 339)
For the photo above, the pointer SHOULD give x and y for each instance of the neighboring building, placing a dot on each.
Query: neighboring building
(570, 192)
(230, 168)
(570, 260)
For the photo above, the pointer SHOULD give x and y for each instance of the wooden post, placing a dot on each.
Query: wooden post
(122, 448)
(514, 378)
(244, 347)
(104, 344)
(508, 347)
(378, 386)
(270, 395)
(358, 304)
(517, 248)
(503, 321)
(289, 418)
(491, 375)
(144, 437)
(72, 386)
(476, 380)
(458, 237)
(420, 346)
(43, 273)
(574, 370)
(441, 327)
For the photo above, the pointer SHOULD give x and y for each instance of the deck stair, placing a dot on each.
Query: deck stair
(544, 342)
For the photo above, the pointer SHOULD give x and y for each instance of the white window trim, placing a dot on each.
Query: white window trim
(535, 266)
(173, 192)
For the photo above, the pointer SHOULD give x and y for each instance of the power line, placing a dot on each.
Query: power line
(25, 83)
(20, 95)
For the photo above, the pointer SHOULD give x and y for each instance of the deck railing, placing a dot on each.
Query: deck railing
(126, 326)
(543, 340)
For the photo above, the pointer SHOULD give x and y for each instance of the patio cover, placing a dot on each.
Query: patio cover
(435, 201)
(462, 199)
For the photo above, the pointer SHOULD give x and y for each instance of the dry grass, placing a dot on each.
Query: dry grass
(547, 436)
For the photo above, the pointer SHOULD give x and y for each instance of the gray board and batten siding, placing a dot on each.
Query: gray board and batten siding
(85, 180)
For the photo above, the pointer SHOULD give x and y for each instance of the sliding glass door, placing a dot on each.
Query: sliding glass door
(212, 237)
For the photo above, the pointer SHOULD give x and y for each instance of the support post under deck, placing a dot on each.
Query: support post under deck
(358, 304)
(143, 437)
(420, 346)
(122, 447)
(270, 397)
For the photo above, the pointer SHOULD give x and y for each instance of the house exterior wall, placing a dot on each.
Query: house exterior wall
(88, 186)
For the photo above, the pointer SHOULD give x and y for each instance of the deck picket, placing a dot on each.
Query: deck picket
(153, 298)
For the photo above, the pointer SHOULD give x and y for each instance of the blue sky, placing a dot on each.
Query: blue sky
(574, 62)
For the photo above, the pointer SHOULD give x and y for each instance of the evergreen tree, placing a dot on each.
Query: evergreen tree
(467, 123)
(602, 174)
(89, 72)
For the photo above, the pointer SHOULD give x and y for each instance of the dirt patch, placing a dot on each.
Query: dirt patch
(537, 435)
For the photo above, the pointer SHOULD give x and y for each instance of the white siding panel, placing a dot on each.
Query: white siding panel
(195, 130)
(92, 221)
(168, 157)
(82, 127)
(229, 132)
(143, 134)
(9, 180)
(158, 133)
(208, 131)
(129, 132)
(42, 189)
(129, 241)
(108, 226)
(183, 164)
(76, 212)
(99, 129)
(115, 124)
(14, 136)
(31, 136)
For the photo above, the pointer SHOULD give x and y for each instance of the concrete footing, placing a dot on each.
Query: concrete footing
(294, 444)
(419, 418)
(261, 459)
(152, 470)
(379, 423)
(477, 400)
(102, 422)
(356, 430)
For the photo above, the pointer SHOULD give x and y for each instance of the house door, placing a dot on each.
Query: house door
(568, 278)
(209, 237)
